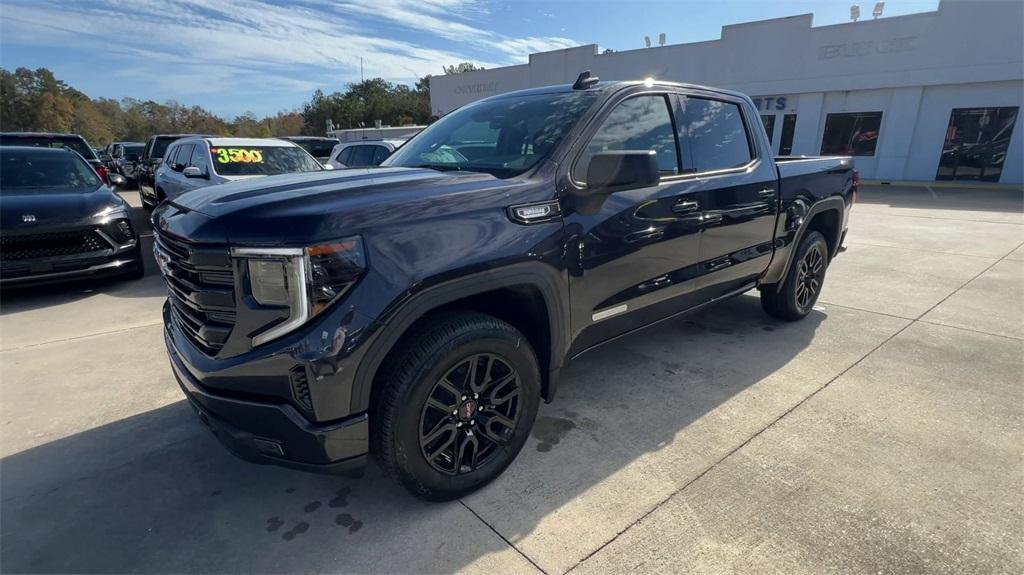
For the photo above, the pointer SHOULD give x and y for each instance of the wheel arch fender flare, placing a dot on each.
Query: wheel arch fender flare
(786, 253)
(550, 282)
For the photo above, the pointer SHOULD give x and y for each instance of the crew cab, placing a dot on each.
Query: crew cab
(191, 163)
(419, 311)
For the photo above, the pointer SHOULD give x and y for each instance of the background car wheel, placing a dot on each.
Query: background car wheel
(456, 406)
(796, 297)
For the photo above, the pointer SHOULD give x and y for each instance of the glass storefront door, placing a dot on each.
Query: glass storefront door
(976, 143)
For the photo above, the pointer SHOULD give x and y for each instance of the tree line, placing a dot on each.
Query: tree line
(36, 101)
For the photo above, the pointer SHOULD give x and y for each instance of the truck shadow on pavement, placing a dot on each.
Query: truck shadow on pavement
(155, 492)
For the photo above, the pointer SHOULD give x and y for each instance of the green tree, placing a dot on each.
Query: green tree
(460, 68)
(55, 113)
(36, 100)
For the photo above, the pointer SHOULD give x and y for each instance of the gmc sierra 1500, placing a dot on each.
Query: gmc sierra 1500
(419, 311)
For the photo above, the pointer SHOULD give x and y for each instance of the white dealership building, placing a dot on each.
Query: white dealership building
(929, 96)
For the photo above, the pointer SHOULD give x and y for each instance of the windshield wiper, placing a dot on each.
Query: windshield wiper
(441, 167)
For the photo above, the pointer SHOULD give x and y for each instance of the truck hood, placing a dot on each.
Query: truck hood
(300, 208)
(51, 208)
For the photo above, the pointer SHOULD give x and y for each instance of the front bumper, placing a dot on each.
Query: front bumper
(274, 433)
(53, 270)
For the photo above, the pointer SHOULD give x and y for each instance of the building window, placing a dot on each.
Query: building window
(769, 126)
(854, 134)
(976, 143)
(788, 128)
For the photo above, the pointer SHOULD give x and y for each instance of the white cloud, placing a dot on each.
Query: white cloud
(185, 47)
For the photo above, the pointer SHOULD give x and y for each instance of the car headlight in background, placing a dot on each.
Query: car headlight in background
(304, 280)
(111, 213)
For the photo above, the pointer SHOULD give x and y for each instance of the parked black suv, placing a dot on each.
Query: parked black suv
(419, 311)
(59, 221)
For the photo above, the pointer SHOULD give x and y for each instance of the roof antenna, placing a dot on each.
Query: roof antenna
(584, 81)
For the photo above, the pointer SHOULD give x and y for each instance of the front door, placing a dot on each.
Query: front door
(738, 181)
(631, 252)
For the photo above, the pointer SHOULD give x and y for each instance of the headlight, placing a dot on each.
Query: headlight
(305, 280)
(111, 213)
(119, 231)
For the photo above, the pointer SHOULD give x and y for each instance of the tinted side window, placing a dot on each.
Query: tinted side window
(715, 134)
(169, 155)
(198, 158)
(640, 123)
(380, 153)
(345, 154)
(183, 155)
(361, 156)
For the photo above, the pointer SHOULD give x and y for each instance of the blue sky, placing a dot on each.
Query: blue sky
(233, 56)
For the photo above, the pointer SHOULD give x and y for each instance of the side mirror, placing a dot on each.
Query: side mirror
(193, 172)
(116, 180)
(618, 171)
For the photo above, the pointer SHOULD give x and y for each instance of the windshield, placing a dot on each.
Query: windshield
(75, 143)
(160, 146)
(134, 149)
(261, 160)
(25, 170)
(504, 137)
(318, 148)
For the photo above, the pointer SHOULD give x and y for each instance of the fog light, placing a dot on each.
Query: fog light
(268, 447)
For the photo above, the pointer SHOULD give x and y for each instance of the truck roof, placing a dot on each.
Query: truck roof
(611, 86)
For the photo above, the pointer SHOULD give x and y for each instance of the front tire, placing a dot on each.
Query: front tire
(796, 296)
(457, 405)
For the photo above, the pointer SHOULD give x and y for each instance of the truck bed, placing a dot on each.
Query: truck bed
(814, 176)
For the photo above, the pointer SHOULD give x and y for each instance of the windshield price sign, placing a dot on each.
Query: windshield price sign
(237, 155)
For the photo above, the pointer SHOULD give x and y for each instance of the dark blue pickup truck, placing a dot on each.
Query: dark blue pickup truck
(419, 311)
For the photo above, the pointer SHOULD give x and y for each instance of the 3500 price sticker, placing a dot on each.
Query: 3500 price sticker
(238, 155)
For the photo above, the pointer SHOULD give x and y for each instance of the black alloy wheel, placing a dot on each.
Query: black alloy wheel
(809, 276)
(470, 414)
(454, 403)
(795, 297)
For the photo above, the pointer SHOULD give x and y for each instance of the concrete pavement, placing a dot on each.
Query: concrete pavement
(882, 433)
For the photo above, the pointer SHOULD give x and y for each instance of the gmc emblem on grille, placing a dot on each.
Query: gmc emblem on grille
(28, 218)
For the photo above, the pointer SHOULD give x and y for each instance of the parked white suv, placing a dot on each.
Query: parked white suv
(363, 153)
(197, 162)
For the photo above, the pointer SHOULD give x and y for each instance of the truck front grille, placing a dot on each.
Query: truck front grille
(50, 244)
(201, 290)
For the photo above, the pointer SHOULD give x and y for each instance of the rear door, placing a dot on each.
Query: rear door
(737, 181)
(633, 251)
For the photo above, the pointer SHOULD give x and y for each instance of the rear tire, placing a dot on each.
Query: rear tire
(457, 404)
(796, 296)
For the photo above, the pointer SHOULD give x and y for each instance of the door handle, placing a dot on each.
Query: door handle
(685, 207)
(766, 194)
